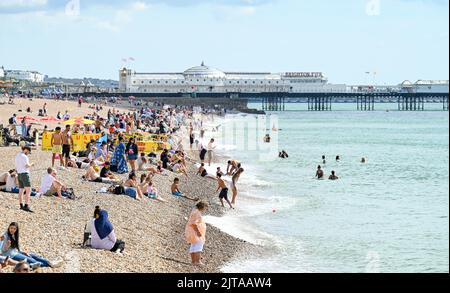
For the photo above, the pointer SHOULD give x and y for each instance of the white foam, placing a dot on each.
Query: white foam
(234, 226)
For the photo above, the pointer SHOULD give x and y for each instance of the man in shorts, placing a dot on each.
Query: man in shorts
(23, 166)
(57, 148)
(223, 192)
(66, 144)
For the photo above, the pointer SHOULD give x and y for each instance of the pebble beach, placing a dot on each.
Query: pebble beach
(153, 231)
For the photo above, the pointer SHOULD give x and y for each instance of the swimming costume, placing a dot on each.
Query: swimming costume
(177, 194)
(224, 193)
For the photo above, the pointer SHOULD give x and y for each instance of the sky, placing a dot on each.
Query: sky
(351, 41)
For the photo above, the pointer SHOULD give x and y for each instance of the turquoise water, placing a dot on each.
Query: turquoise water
(388, 215)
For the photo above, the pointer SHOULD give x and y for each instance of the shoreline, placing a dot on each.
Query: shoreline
(153, 232)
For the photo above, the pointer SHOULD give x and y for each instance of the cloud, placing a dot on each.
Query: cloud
(22, 6)
(16, 6)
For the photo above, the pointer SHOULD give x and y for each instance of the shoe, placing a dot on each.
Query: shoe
(56, 264)
(21, 206)
(35, 266)
(26, 208)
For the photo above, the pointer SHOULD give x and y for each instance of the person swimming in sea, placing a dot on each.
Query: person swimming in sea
(363, 160)
(333, 176)
(283, 155)
(267, 138)
(319, 172)
(323, 160)
(338, 158)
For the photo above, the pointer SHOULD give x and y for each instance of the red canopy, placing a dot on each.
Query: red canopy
(50, 119)
(28, 119)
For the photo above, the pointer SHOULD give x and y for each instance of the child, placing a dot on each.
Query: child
(224, 192)
(176, 191)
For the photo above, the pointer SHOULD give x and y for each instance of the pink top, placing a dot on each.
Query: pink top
(195, 219)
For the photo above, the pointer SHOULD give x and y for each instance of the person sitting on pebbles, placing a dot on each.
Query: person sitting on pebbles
(132, 188)
(92, 175)
(103, 235)
(176, 191)
(11, 248)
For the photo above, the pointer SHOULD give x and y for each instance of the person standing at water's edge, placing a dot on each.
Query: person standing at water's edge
(211, 148)
(23, 166)
(195, 232)
(234, 181)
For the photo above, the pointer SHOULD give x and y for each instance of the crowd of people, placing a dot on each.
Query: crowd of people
(106, 162)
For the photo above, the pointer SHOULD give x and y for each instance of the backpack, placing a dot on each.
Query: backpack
(70, 194)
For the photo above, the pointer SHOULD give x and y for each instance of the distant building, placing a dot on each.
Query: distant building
(205, 79)
(425, 86)
(31, 76)
(2, 72)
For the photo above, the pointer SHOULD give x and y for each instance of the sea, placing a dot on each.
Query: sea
(390, 214)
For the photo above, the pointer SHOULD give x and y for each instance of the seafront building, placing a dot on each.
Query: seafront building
(2, 72)
(205, 79)
(23, 75)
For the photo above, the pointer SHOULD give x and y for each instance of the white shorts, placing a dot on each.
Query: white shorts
(197, 247)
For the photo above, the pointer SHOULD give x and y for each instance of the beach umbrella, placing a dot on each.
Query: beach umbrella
(50, 119)
(79, 121)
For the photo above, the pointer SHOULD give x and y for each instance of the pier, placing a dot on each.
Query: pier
(319, 103)
(276, 101)
(365, 103)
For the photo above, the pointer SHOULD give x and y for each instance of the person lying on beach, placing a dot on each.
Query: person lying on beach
(234, 180)
(132, 188)
(333, 176)
(223, 191)
(77, 163)
(195, 232)
(50, 186)
(176, 191)
(12, 184)
(103, 235)
(232, 166)
(92, 175)
(319, 172)
(12, 249)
